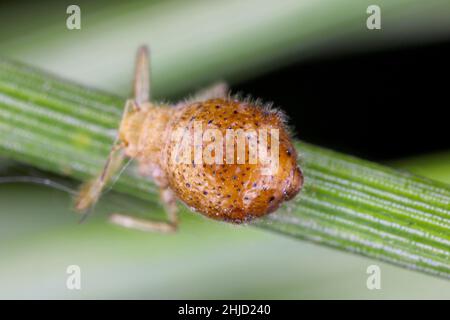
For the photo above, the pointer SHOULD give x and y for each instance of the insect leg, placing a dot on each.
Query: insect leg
(169, 200)
(142, 76)
(91, 191)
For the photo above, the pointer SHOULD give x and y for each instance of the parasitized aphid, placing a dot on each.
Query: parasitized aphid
(230, 188)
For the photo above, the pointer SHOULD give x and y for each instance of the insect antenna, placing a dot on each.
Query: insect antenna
(86, 214)
(117, 176)
(37, 180)
(43, 182)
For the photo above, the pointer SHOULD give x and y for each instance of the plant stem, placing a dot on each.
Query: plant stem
(346, 203)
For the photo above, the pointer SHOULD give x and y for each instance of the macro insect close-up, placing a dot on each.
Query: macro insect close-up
(233, 191)
(225, 150)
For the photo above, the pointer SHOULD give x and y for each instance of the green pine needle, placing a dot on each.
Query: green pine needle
(347, 203)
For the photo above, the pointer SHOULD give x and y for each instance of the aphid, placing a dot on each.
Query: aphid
(234, 192)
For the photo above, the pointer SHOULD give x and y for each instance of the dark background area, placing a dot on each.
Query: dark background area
(379, 105)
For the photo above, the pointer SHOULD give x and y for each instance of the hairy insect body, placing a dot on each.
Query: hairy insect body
(233, 192)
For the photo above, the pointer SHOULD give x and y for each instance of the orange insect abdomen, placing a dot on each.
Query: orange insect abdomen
(233, 191)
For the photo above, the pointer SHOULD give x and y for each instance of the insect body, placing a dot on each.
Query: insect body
(185, 149)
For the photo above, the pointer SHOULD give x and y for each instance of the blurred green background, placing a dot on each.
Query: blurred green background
(192, 43)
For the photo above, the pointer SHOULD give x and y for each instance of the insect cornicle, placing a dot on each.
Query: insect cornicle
(229, 188)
